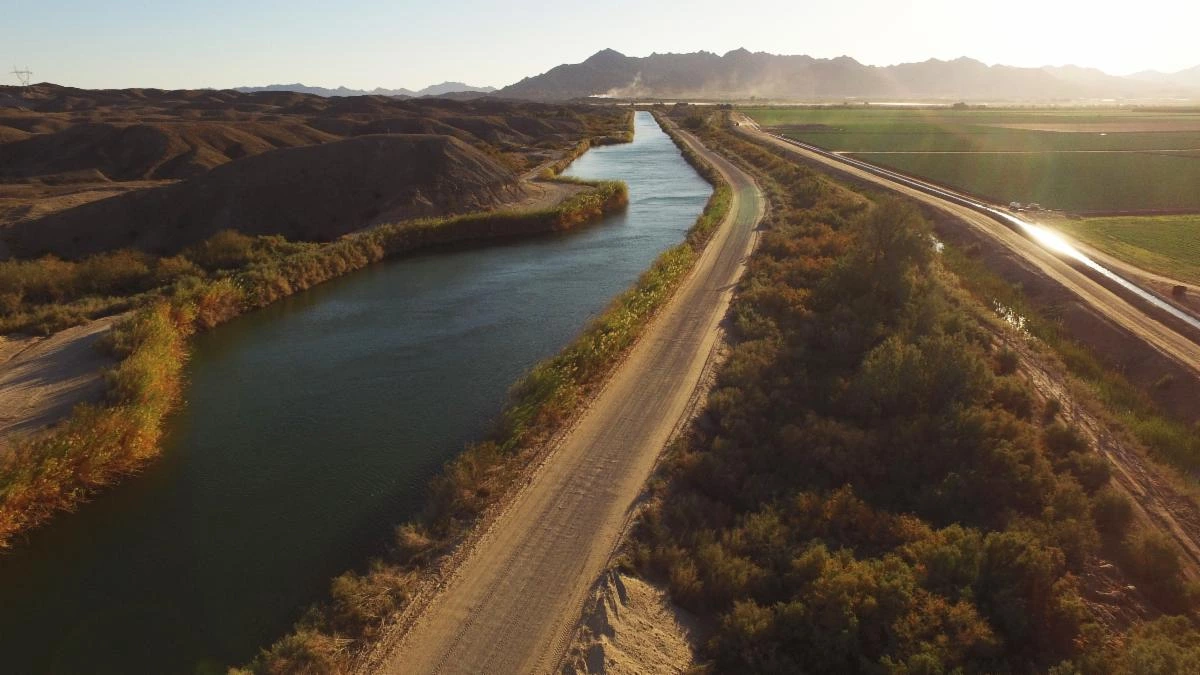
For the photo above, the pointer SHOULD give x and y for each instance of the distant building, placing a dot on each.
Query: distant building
(1033, 206)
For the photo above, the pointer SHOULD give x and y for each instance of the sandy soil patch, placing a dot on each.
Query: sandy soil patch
(543, 194)
(41, 379)
(632, 627)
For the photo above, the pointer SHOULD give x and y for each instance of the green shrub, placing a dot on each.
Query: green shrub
(1014, 396)
(1112, 511)
(1051, 410)
(1007, 361)
(1165, 646)
(1152, 559)
(1061, 440)
(225, 250)
(1090, 469)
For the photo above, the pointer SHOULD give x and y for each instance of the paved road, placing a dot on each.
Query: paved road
(1128, 316)
(512, 604)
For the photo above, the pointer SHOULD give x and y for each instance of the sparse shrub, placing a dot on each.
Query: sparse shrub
(1007, 361)
(693, 122)
(168, 271)
(225, 250)
(1112, 511)
(1152, 559)
(1165, 646)
(413, 542)
(1051, 410)
(1014, 396)
(1061, 440)
(360, 602)
(684, 580)
(304, 652)
(1090, 469)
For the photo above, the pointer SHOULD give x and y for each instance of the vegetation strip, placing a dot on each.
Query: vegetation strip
(544, 402)
(874, 488)
(98, 444)
(1170, 440)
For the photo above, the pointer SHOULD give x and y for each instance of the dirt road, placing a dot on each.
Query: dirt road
(41, 379)
(1117, 309)
(512, 604)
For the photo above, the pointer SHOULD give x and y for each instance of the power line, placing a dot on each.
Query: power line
(23, 76)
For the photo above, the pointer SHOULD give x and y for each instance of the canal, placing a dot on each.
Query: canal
(312, 427)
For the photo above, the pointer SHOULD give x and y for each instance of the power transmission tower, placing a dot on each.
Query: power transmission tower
(23, 76)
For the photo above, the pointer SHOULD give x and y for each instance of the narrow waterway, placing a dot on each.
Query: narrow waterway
(311, 428)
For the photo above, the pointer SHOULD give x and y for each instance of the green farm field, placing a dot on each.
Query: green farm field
(1168, 245)
(1086, 161)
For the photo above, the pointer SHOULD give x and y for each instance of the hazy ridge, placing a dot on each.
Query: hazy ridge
(432, 90)
(743, 74)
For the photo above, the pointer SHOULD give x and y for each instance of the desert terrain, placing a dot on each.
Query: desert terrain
(89, 171)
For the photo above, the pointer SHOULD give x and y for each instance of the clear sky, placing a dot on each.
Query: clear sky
(369, 43)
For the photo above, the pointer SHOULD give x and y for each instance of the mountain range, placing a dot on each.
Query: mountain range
(432, 90)
(742, 74)
(1187, 78)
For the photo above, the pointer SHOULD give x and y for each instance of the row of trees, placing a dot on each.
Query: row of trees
(872, 488)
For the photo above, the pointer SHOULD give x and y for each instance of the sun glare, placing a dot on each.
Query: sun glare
(1050, 239)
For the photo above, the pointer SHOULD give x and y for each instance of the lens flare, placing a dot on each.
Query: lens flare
(1051, 240)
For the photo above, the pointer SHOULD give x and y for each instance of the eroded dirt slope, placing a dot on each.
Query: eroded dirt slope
(309, 193)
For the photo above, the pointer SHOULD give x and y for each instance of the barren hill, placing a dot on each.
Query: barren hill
(83, 170)
(148, 151)
(310, 193)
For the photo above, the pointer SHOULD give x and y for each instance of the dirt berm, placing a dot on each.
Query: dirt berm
(313, 193)
(148, 151)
